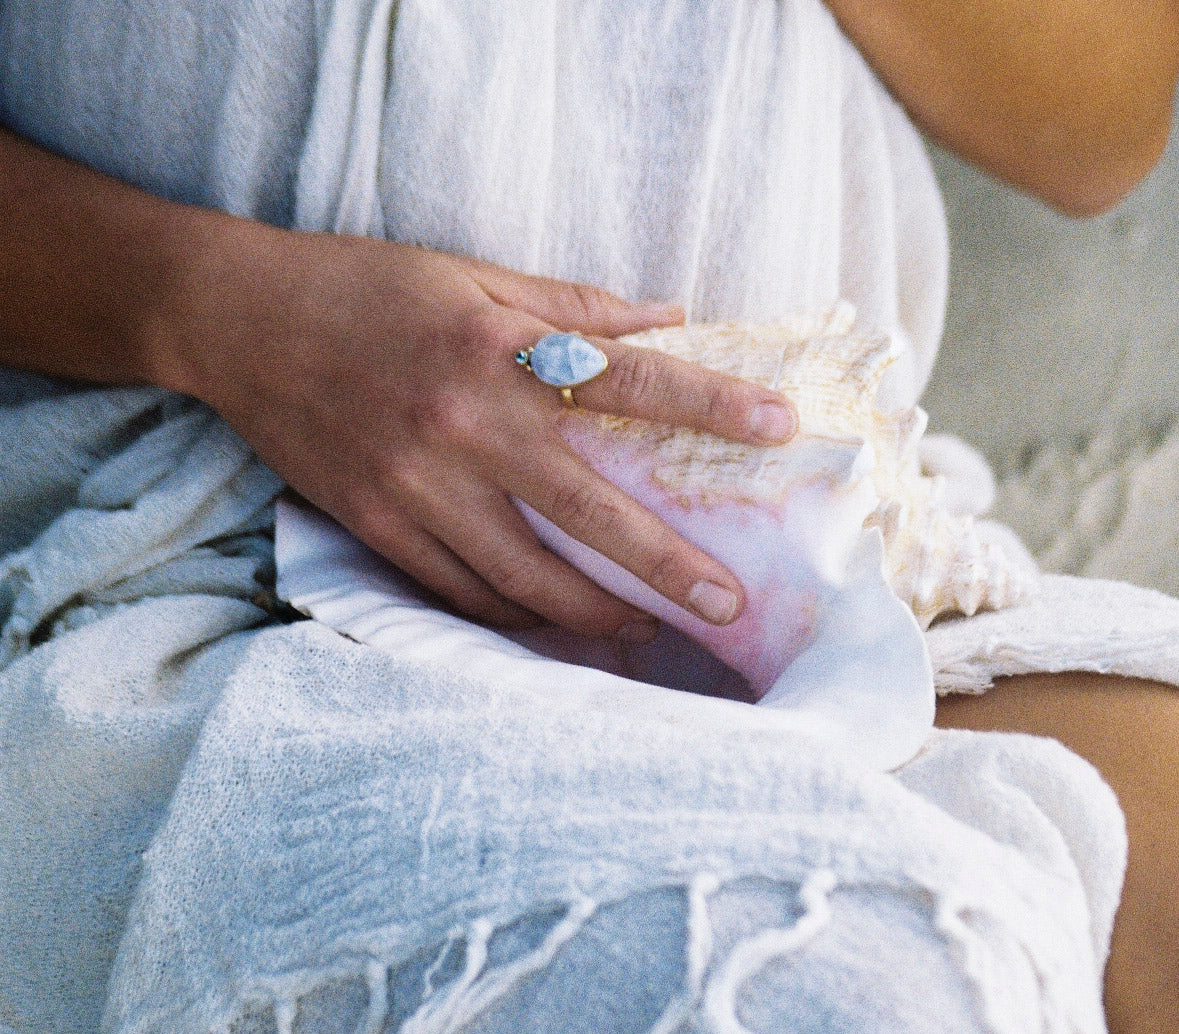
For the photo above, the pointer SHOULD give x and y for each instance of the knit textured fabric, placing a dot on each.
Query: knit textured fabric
(215, 822)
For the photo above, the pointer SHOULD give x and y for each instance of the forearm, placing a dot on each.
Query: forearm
(1069, 99)
(92, 270)
(377, 379)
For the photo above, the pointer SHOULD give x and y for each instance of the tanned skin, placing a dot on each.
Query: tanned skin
(1068, 99)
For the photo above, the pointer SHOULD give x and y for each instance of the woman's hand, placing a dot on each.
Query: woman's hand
(378, 380)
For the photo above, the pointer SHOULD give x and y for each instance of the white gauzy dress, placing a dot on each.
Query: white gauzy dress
(740, 159)
(213, 822)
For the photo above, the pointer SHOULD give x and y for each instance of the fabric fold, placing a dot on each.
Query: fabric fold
(212, 823)
(185, 480)
(346, 809)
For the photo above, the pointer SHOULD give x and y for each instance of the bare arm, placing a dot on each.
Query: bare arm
(1069, 99)
(378, 379)
(86, 268)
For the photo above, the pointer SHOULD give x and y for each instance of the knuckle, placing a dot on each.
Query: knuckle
(381, 501)
(515, 581)
(638, 376)
(588, 305)
(401, 478)
(722, 402)
(444, 415)
(582, 507)
(484, 335)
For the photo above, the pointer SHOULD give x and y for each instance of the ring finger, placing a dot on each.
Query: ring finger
(482, 527)
(648, 384)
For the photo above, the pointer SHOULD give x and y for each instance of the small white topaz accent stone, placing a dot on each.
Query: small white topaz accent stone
(566, 360)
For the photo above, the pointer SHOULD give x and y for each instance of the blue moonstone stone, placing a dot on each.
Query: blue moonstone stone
(566, 360)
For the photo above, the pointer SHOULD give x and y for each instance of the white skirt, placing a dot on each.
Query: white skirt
(210, 826)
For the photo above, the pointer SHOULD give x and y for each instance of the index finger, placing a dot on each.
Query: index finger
(650, 385)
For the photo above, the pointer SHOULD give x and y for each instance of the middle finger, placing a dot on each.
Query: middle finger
(588, 507)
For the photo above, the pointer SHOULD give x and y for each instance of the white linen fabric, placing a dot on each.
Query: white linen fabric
(213, 821)
(740, 159)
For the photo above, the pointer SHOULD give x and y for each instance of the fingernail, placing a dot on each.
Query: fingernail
(716, 604)
(639, 632)
(773, 421)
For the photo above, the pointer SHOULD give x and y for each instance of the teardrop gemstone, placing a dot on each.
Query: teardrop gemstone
(566, 360)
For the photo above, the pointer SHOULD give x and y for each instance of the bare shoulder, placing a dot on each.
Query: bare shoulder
(1068, 99)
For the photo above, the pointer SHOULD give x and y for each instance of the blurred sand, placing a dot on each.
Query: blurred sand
(1061, 363)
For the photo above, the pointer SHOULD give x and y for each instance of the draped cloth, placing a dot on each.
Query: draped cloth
(214, 819)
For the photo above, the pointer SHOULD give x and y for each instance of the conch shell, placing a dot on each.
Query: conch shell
(846, 551)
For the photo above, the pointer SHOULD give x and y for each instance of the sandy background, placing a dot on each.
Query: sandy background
(1061, 363)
